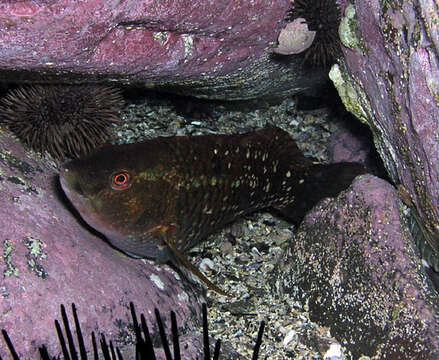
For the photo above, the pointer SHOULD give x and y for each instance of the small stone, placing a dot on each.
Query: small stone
(291, 335)
(334, 353)
(226, 247)
(207, 265)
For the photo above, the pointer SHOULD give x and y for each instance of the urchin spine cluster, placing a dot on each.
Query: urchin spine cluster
(66, 121)
(323, 17)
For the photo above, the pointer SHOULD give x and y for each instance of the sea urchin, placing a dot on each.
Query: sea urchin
(66, 121)
(323, 17)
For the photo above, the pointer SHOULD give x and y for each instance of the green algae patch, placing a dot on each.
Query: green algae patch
(349, 95)
(7, 259)
(348, 31)
(35, 256)
(35, 247)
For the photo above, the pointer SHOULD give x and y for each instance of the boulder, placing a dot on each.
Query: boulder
(355, 267)
(215, 49)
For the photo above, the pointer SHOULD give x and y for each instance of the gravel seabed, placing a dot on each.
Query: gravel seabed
(241, 257)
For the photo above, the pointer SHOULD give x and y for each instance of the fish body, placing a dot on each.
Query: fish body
(138, 195)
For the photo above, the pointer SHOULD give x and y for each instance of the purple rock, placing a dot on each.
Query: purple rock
(346, 146)
(351, 142)
(355, 265)
(390, 80)
(48, 258)
(218, 49)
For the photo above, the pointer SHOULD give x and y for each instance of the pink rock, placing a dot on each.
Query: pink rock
(355, 265)
(219, 49)
(393, 76)
(49, 258)
(351, 142)
(346, 146)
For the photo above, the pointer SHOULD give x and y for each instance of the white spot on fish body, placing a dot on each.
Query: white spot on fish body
(226, 152)
(215, 151)
(288, 174)
(301, 181)
(247, 155)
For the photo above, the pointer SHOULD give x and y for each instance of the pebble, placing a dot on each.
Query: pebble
(226, 247)
(206, 265)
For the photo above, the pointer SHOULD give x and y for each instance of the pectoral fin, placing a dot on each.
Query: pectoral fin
(188, 265)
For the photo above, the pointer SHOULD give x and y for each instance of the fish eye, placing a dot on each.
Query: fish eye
(121, 180)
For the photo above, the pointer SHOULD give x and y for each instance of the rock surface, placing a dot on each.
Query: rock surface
(48, 258)
(390, 80)
(355, 266)
(216, 49)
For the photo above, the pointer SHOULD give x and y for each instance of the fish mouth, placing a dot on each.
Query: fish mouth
(68, 181)
(74, 193)
(148, 247)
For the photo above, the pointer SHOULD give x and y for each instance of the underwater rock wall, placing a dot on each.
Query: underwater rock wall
(390, 81)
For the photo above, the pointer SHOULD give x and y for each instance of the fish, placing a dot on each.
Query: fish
(159, 198)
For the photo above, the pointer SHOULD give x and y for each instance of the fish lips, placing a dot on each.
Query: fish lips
(80, 202)
(152, 249)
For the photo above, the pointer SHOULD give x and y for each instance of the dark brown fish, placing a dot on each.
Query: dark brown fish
(172, 192)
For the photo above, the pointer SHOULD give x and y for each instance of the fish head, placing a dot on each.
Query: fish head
(120, 194)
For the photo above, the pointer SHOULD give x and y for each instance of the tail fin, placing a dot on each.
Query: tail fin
(320, 181)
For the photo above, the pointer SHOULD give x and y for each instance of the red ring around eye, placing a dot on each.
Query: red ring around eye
(120, 180)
